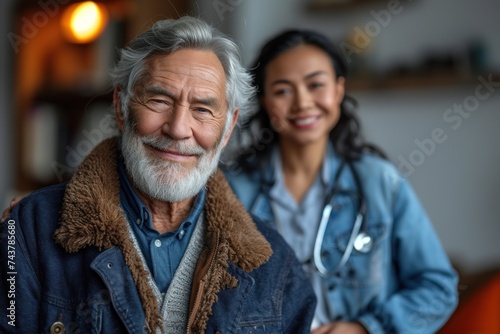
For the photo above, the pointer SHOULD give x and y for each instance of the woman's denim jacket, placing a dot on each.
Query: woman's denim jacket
(405, 283)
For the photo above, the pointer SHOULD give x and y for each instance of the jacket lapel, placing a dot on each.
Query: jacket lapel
(109, 266)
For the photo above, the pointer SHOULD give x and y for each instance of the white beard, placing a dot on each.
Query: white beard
(165, 180)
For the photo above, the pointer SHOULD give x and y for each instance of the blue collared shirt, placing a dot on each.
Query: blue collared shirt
(162, 252)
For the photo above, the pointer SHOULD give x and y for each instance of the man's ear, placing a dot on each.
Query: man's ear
(233, 123)
(117, 105)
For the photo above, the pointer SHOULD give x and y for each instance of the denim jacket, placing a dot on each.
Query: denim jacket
(74, 266)
(405, 283)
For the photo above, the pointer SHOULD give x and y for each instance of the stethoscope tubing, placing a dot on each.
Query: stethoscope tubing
(317, 261)
(358, 226)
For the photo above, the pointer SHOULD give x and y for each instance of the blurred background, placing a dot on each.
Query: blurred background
(426, 74)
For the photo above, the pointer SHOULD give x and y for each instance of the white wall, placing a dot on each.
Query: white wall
(458, 182)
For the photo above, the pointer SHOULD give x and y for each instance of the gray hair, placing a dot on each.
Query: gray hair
(167, 36)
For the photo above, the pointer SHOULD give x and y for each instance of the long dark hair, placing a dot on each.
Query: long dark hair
(257, 131)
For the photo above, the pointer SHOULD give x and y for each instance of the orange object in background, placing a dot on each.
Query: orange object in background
(83, 22)
(479, 311)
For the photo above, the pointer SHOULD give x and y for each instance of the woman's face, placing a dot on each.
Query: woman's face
(302, 96)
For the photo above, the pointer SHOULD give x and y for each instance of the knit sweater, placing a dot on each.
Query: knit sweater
(174, 304)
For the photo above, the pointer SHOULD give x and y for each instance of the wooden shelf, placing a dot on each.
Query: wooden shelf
(320, 5)
(411, 80)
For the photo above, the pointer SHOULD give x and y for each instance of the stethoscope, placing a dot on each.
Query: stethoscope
(359, 239)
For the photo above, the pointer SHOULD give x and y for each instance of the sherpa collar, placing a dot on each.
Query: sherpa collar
(91, 216)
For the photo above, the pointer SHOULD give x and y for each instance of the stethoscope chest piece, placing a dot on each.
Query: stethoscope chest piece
(363, 242)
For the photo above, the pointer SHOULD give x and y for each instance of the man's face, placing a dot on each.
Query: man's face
(175, 129)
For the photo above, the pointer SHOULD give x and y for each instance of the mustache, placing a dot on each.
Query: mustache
(164, 144)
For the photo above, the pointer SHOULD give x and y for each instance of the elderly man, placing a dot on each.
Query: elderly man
(147, 236)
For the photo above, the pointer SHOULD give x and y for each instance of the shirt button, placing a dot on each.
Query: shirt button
(157, 243)
(138, 221)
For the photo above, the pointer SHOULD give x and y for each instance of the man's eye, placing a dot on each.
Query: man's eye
(158, 105)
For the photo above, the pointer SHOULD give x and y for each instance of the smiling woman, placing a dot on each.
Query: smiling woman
(303, 103)
(353, 221)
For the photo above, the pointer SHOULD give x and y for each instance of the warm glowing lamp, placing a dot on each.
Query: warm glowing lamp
(84, 22)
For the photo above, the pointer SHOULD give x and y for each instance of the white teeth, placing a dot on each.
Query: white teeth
(305, 121)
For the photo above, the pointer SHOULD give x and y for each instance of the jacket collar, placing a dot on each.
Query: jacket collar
(91, 216)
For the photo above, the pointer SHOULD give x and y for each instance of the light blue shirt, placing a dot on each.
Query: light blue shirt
(298, 222)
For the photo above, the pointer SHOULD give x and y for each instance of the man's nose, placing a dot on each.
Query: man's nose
(178, 123)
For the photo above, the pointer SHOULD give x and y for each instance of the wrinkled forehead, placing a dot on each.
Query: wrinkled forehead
(184, 72)
(202, 65)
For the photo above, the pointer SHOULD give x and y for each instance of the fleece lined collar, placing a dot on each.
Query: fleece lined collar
(91, 216)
